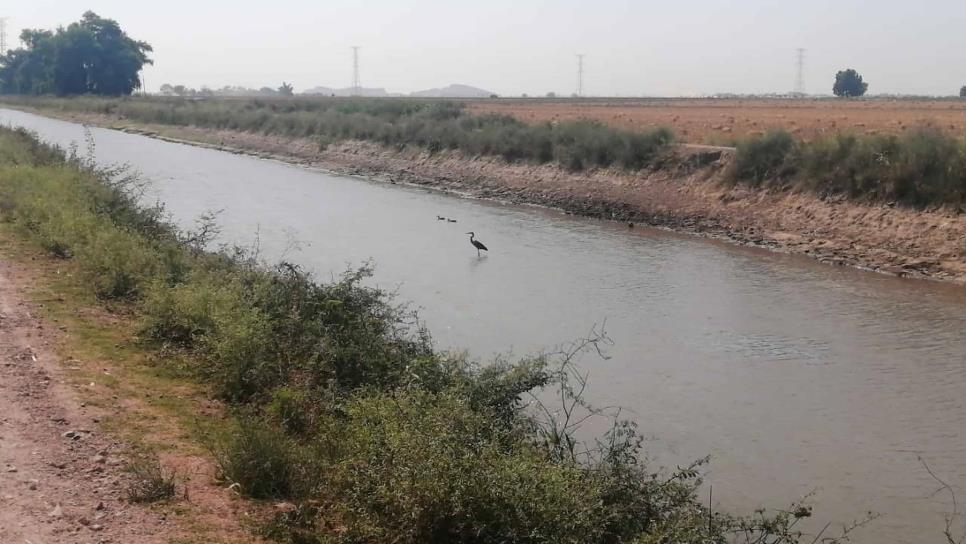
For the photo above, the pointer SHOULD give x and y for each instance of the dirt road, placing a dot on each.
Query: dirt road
(61, 479)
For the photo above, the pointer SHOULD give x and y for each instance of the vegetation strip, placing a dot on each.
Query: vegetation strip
(922, 168)
(344, 410)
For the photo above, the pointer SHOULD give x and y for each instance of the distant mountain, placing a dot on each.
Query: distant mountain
(453, 91)
(348, 91)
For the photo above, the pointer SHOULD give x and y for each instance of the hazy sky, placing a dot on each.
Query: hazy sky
(644, 47)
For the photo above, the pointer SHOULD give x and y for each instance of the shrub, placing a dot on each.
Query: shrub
(264, 462)
(764, 158)
(149, 481)
(433, 126)
(920, 168)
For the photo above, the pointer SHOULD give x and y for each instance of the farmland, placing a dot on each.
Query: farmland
(723, 121)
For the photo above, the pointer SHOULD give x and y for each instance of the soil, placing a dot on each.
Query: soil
(685, 193)
(63, 478)
(722, 121)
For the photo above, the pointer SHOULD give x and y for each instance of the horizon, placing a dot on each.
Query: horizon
(431, 44)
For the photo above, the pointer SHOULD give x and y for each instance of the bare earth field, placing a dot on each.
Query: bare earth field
(721, 121)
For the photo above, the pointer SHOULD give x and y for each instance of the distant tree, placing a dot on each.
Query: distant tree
(849, 83)
(167, 89)
(551, 94)
(286, 89)
(92, 56)
(962, 91)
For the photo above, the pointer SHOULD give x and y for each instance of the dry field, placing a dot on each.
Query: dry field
(722, 121)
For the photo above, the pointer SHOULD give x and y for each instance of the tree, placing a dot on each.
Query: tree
(286, 89)
(962, 91)
(849, 83)
(91, 56)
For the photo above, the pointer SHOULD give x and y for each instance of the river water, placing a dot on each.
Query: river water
(796, 377)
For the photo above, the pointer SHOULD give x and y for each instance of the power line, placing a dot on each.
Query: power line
(3, 35)
(356, 85)
(580, 74)
(800, 72)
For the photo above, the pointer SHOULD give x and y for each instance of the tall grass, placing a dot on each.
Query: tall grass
(920, 168)
(432, 125)
(342, 405)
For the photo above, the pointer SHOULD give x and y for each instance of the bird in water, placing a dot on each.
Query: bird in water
(477, 244)
(440, 218)
(450, 220)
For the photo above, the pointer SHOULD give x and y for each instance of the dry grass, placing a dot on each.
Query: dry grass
(722, 121)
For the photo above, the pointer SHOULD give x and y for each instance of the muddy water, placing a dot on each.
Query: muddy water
(795, 377)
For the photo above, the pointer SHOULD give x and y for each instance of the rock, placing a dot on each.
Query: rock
(56, 512)
(84, 521)
(100, 506)
(10, 468)
(99, 459)
(97, 527)
(32, 485)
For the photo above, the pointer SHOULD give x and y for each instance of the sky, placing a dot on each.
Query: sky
(631, 48)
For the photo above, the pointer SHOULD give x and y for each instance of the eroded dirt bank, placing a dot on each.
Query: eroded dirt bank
(684, 194)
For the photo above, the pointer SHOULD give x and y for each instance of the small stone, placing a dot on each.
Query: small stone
(100, 506)
(84, 521)
(56, 512)
(99, 459)
(11, 468)
(32, 485)
(97, 527)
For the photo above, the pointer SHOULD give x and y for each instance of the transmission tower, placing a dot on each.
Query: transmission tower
(580, 75)
(800, 71)
(356, 86)
(3, 35)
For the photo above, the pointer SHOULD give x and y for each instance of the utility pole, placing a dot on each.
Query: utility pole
(800, 72)
(580, 74)
(356, 86)
(3, 35)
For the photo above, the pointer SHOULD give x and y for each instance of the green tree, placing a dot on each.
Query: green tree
(91, 56)
(286, 89)
(849, 83)
(962, 91)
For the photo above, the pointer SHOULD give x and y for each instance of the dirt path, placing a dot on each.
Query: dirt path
(61, 479)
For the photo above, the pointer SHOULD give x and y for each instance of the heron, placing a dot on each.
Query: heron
(477, 244)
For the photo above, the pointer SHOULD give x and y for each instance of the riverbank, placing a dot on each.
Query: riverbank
(340, 416)
(686, 192)
(82, 404)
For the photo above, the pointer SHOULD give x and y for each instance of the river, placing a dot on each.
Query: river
(794, 376)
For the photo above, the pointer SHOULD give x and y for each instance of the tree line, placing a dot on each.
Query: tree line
(91, 56)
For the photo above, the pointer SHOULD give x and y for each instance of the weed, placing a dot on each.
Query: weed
(149, 481)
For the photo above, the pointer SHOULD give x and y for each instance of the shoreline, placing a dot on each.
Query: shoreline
(686, 194)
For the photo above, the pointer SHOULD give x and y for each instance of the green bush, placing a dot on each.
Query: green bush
(264, 462)
(764, 159)
(920, 168)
